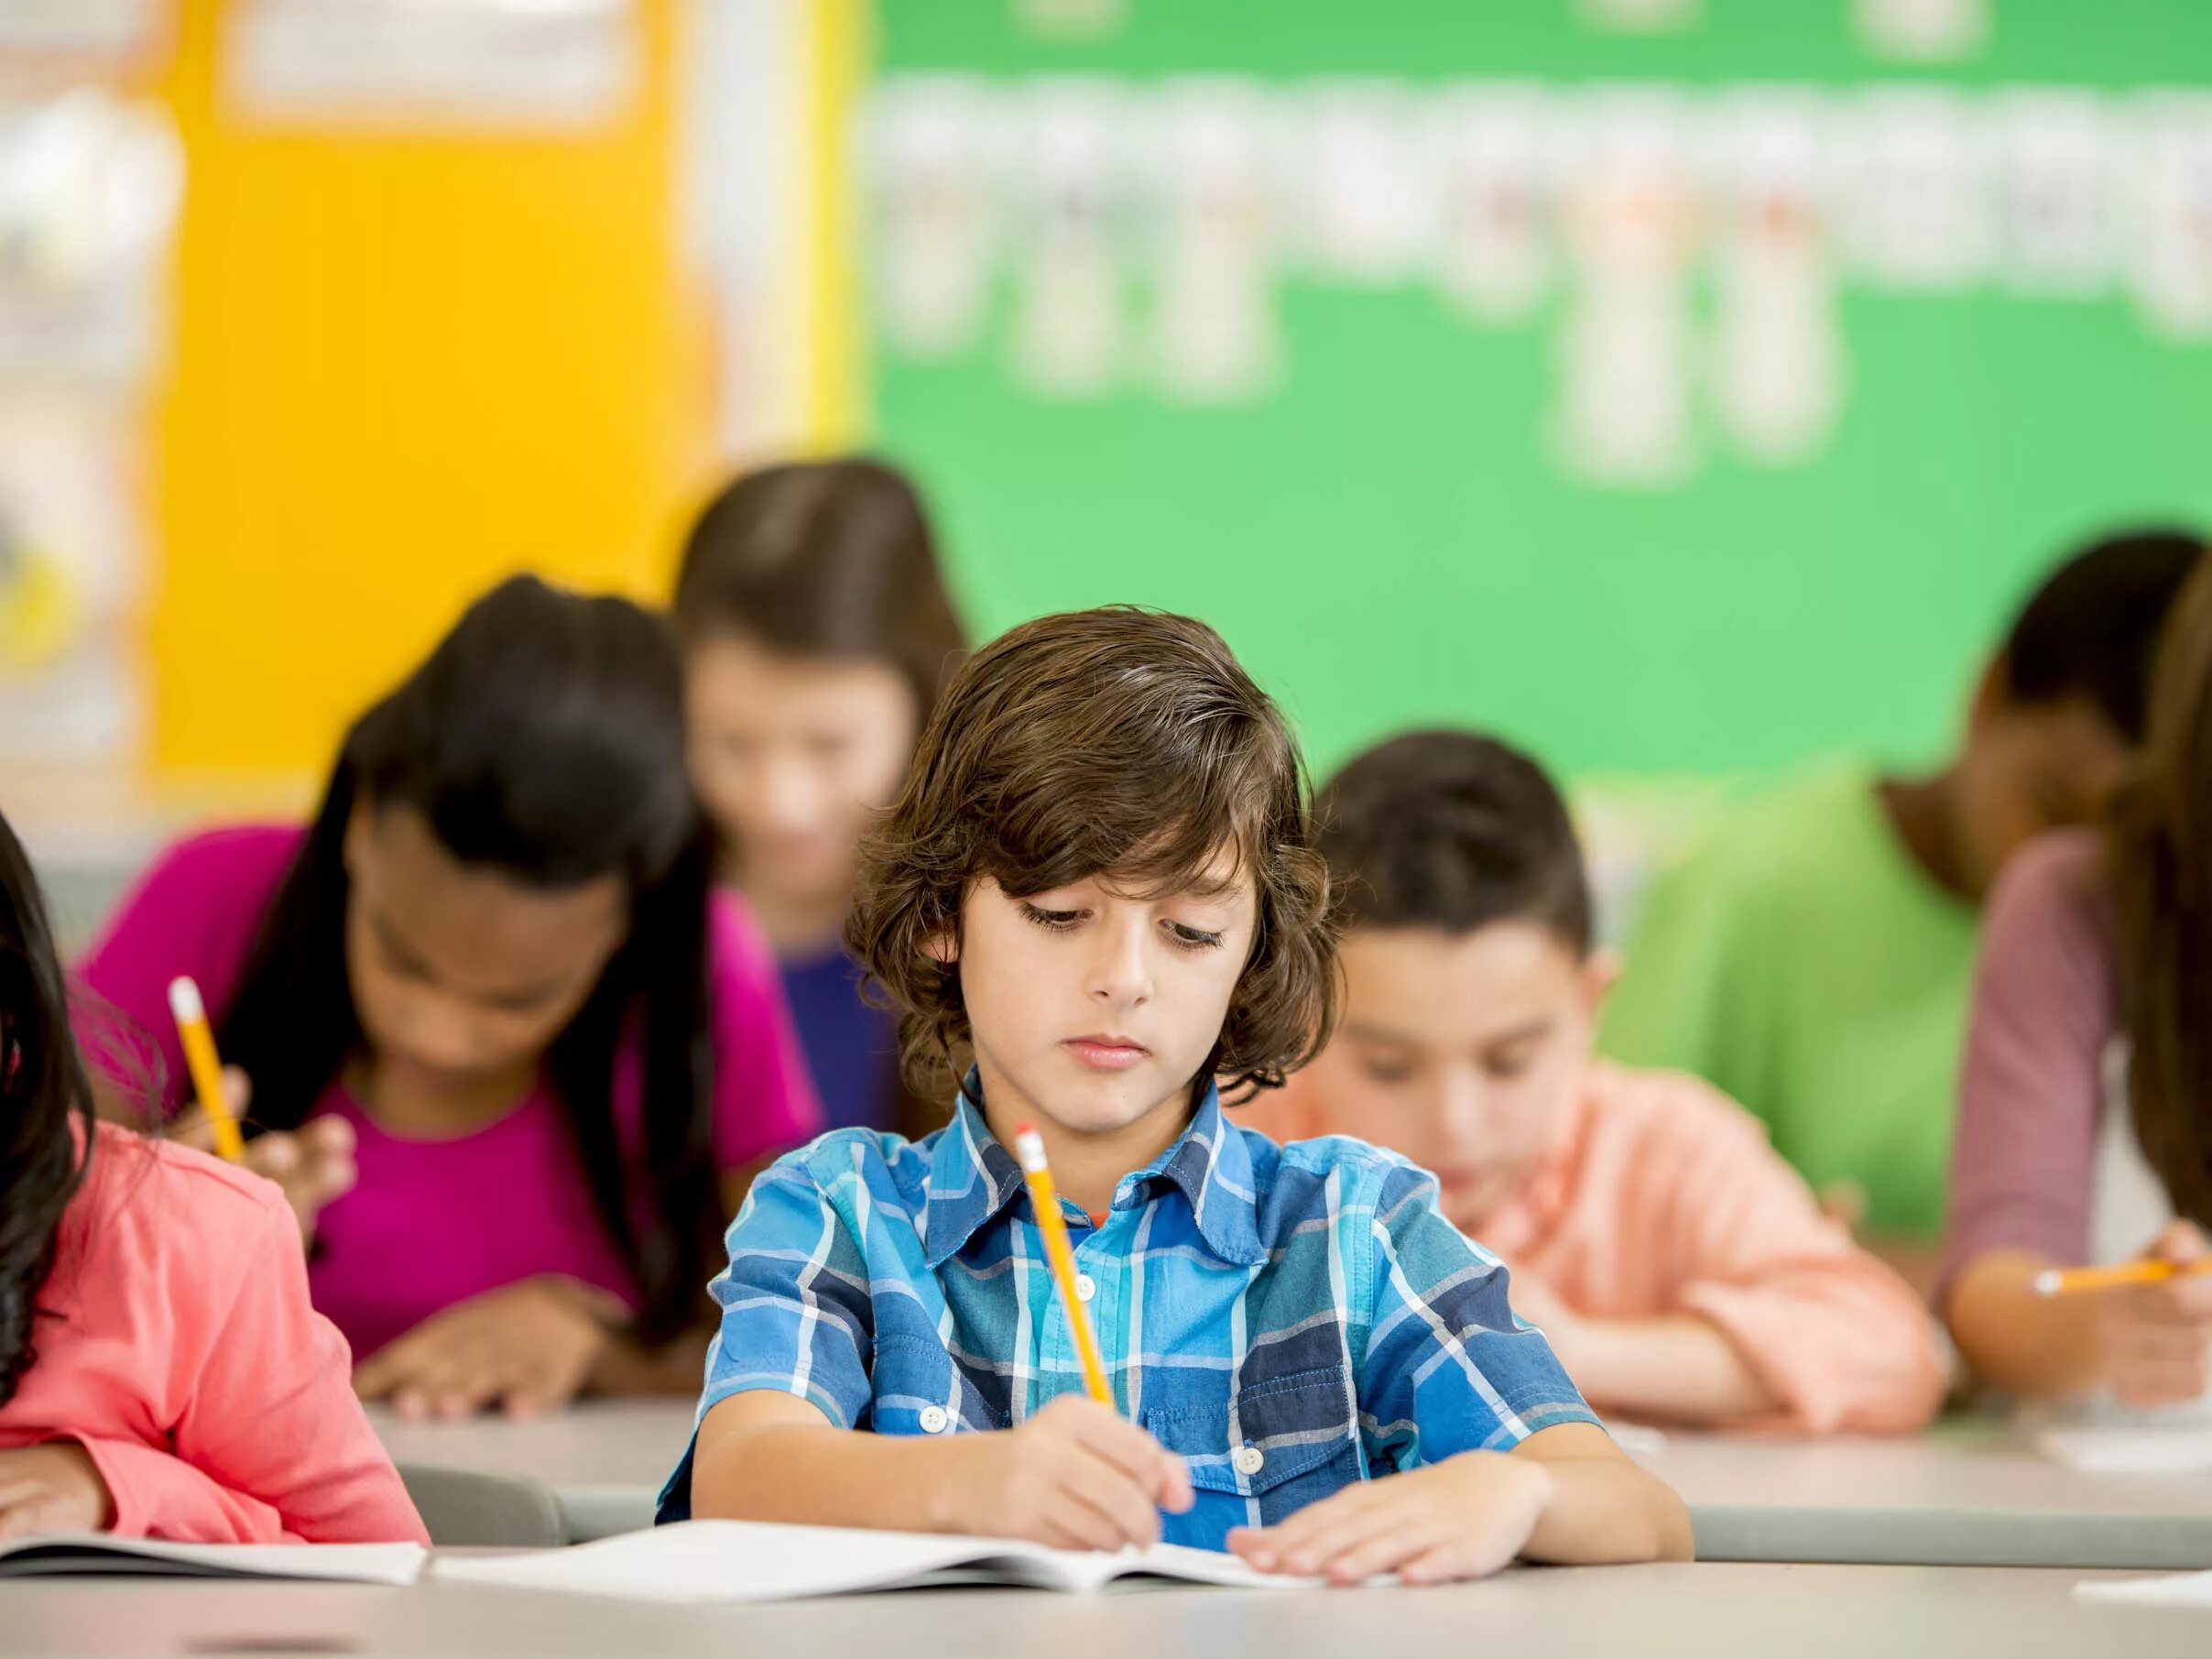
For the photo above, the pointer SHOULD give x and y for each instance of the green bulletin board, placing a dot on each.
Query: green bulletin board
(1386, 533)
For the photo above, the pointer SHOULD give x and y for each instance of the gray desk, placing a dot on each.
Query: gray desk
(606, 1459)
(1700, 1612)
(1968, 1495)
(1965, 1495)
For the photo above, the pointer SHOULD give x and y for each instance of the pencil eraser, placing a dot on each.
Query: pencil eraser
(184, 1001)
(1029, 1147)
(2047, 1283)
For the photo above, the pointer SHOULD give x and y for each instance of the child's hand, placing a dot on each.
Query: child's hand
(528, 1347)
(1076, 1476)
(1463, 1518)
(2155, 1341)
(53, 1487)
(312, 1165)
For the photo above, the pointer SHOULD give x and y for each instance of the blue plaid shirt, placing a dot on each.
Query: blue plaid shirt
(1289, 1320)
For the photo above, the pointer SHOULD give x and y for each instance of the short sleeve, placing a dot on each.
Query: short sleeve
(794, 1300)
(764, 1099)
(1446, 1366)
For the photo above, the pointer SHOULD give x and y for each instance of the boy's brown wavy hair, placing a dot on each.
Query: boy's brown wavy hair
(1118, 741)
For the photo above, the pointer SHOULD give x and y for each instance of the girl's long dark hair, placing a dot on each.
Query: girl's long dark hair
(2159, 864)
(46, 1108)
(543, 738)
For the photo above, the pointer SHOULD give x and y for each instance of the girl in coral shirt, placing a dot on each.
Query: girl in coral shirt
(161, 1371)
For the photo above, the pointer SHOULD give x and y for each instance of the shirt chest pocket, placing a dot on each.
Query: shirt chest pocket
(919, 1389)
(1280, 1443)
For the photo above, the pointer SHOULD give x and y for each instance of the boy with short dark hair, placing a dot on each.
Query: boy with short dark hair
(1680, 1270)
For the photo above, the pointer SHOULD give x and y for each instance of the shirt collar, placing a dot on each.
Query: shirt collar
(972, 1178)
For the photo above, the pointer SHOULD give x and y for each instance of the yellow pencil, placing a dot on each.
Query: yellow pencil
(1029, 1146)
(2066, 1282)
(201, 1060)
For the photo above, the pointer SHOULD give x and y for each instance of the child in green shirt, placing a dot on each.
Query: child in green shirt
(1812, 957)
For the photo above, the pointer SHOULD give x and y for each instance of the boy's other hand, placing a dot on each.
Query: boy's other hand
(1463, 1518)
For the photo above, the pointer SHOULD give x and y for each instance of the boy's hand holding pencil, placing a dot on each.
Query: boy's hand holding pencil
(1077, 1475)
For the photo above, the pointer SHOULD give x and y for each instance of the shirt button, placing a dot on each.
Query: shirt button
(1085, 1287)
(935, 1419)
(1250, 1461)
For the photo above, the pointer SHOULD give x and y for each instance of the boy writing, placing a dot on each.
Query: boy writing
(1098, 894)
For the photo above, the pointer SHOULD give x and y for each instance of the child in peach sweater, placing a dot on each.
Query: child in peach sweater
(1681, 1270)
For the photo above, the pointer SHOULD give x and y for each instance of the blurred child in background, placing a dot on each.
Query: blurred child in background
(512, 1058)
(816, 636)
(2085, 1130)
(1681, 1270)
(1812, 957)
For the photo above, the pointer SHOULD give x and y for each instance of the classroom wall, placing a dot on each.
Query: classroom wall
(406, 361)
(1383, 520)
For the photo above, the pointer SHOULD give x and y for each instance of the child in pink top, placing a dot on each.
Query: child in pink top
(162, 1373)
(512, 1058)
(1679, 1269)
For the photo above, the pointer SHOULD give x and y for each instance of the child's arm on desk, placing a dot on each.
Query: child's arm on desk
(1771, 1315)
(1076, 1476)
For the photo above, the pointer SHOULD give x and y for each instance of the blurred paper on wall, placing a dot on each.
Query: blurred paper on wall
(1779, 360)
(90, 186)
(69, 578)
(81, 34)
(1496, 149)
(1204, 158)
(1922, 31)
(1913, 204)
(2056, 177)
(1368, 176)
(1640, 17)
(1631, 211)
(934, 150)
(442, 63)
(1070, 303)
(2168, 216)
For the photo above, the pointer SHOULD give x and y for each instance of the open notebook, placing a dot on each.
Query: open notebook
(2104, 1438)
(2184, 1590)
(2130, 1451)
(749, 1561)
(81, 1552)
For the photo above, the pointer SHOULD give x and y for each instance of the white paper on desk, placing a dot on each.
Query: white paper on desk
(729, 1561)
(102, 1553)
(2182, 1590)
(2130, 1451)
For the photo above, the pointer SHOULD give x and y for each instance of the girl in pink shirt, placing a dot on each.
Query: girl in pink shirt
(511, 1057)
(161, 1371)
(2085, 1120)
(1680, 1268)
